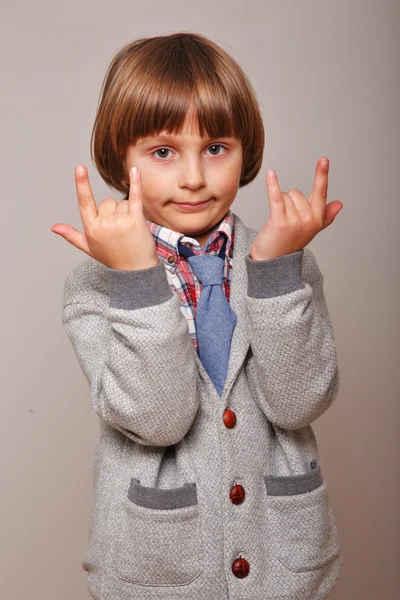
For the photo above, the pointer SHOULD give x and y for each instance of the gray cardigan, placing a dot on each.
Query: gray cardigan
(196, 496)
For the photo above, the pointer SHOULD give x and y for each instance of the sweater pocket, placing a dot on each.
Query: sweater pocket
(301, 525)
(160, 536)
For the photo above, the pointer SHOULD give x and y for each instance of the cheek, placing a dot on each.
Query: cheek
(229, 180)
(154, 188)
(229, 183)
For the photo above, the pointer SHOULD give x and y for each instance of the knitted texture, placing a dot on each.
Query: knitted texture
(162, 428)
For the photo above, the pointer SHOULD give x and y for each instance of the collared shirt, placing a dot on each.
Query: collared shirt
(181, 276)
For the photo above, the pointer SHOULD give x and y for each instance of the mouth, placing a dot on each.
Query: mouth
(192, 205)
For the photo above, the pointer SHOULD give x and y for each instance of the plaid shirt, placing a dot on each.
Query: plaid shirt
(181, 276)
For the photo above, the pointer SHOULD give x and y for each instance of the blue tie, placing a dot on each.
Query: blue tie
(215, 319)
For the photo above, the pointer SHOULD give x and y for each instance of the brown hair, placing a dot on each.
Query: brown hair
(149, 87)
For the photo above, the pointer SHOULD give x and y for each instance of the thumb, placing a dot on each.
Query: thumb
(73, 236)
(331, 211)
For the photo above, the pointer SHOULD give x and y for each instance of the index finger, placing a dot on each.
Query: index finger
(86, 201)
(276, 201)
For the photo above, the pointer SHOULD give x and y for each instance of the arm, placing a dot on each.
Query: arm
(133, 345)
(292, 338)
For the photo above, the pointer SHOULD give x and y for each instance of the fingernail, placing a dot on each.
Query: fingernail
(134, 171)
(324, 162)
(271, 172)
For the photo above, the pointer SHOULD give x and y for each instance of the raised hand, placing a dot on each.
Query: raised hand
(294, 221)
(115, 234)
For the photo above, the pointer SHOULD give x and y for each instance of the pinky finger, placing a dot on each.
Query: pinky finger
(135, 191)
(276, 203)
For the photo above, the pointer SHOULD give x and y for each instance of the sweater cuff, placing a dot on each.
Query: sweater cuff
(130, 289)
(276, 276)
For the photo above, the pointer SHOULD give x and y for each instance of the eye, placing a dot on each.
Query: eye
(159, 150)
(216, 146)
(166, 150)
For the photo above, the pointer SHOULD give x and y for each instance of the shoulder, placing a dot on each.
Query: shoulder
(251, 234)
(246, 235)
(85, 282)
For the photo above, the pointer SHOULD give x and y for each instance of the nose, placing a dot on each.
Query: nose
(192, 175)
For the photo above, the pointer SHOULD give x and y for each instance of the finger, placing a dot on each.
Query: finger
(276, 202)
(135, 191)
(331, 212)
(319, 192)
(73, 236)
(296, 203)
(122, 207)
(107, 207)
(291, 206)
(86, 202)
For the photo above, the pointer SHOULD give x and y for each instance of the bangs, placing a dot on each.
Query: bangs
(154, 85)
(167, 106)
(175, 80)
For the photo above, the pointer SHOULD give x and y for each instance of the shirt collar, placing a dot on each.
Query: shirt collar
(167, 239)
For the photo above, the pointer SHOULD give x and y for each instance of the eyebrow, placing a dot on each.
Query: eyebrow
(167, 138)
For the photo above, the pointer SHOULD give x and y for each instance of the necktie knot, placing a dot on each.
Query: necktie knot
(209, 269)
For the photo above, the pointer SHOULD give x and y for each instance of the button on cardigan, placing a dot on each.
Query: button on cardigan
(198, 496)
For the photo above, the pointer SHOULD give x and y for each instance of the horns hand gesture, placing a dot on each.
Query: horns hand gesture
(294, 221)
(115, 234)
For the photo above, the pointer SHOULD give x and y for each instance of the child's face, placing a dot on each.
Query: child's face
(187, 168)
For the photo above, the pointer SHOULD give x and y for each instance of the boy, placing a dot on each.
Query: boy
(207, 481)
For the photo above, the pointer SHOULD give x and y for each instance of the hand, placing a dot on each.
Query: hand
(294, 221)
(116, 234)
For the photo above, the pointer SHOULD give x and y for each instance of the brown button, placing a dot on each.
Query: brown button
(237, 494)
(229, 418)
(240, 567)
(171, 259)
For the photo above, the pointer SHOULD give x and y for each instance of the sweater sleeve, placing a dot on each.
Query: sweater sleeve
(133, 345)
(292, 338)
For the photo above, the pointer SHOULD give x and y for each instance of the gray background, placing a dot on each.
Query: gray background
(327, 78)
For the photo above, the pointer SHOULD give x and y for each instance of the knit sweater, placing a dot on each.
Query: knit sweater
(198, 496)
